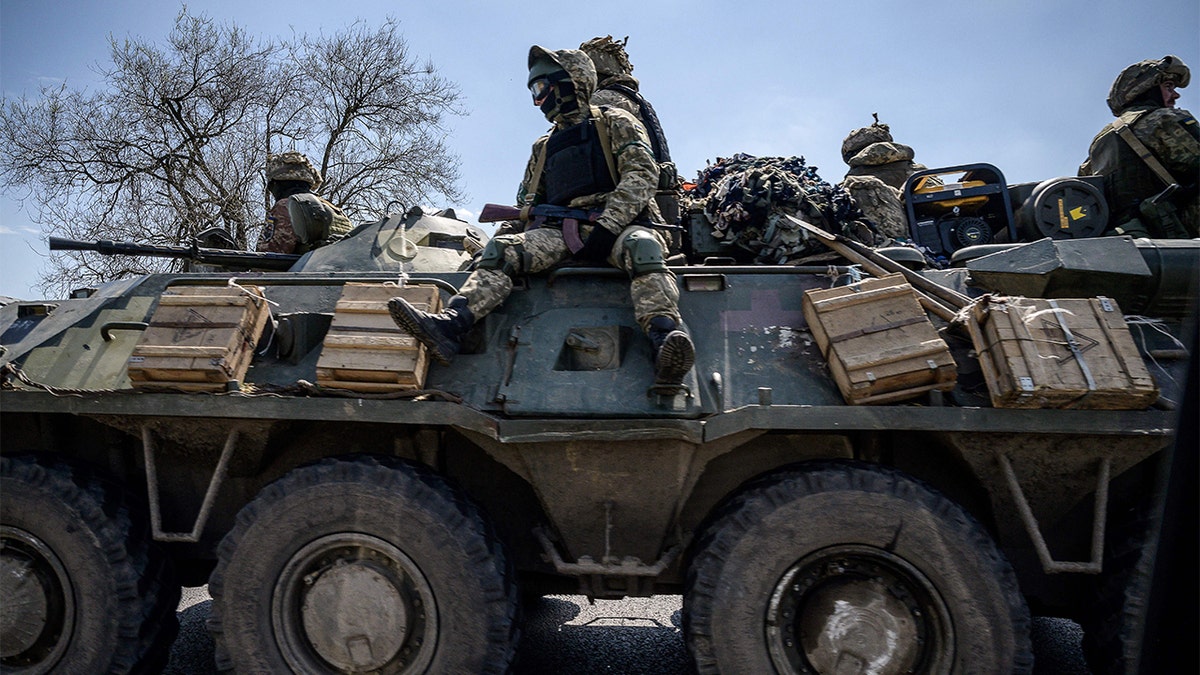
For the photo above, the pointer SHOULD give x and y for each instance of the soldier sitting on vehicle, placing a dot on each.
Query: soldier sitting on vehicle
(300, 220)
(617, 87)
(592, 158)
(1150, 155)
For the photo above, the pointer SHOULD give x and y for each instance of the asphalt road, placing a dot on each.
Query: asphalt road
(566, 635)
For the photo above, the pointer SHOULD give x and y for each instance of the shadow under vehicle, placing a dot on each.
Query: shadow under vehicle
(367, 528)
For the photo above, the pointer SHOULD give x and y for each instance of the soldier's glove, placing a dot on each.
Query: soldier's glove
(598, 244)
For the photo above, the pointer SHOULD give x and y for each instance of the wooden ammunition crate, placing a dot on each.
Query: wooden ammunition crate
(365, 350)
(1069, 353)
(878, 343)
(199, 338)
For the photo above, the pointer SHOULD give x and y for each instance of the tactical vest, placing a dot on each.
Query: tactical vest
(667, 197)
(576, 164)
(1127, 178)
(658, 140)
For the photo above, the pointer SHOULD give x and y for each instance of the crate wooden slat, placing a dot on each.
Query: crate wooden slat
(1027, 360)
(878, 342)
(199, 338)
(365, 350)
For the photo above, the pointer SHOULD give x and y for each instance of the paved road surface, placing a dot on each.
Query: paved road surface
(637, 636)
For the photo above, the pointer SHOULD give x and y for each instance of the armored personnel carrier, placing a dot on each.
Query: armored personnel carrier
(821, 507)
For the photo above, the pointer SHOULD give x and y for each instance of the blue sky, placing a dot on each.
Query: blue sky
(1018, 84)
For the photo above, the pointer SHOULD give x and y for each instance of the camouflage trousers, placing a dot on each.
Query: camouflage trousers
(653, 294)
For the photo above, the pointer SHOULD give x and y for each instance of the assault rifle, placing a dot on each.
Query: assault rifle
(538, 216)
(494, 213)
(254, 260)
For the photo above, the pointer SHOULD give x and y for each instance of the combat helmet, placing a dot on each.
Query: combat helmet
(1142, 76)
(577, 64)
(608, 55)
(292, 166)
(861, 138)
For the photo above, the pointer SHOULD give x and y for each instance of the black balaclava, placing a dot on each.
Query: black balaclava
(559, 98)
(286, 188)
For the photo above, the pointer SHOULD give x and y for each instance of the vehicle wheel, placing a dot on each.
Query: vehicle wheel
(847, 567)
(83, 588)
(363, 565)
(1113, 626)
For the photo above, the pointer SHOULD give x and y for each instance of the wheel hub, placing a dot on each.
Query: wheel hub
(37, 610)
(355, 616)
(353, 603)
(855, 609)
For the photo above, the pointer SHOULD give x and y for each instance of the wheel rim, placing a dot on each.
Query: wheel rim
(353, 603)
(37, 614)
(858, 609)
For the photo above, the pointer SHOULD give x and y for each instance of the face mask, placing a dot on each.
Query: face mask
(554, 94)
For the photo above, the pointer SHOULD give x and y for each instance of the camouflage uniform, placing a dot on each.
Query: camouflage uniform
(654, 293)
(277, 235)
(1172, 137)
(612, 67)
(618, 88)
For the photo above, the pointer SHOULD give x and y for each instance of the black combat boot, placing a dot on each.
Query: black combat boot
(673, 351)
(441, 333)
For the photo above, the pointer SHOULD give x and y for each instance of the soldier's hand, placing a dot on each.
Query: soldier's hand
(598, 245)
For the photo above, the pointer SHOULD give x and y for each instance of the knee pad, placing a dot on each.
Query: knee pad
(645, 254)
(495, 258)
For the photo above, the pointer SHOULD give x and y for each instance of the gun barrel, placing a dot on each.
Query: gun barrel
(61, 244)
(208, 256)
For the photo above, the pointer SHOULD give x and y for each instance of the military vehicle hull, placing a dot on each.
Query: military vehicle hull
(350, 531)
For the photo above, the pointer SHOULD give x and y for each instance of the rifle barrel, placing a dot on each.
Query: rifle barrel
(208, 256)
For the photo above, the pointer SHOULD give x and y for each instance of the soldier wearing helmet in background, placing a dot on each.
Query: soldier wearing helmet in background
(592, 158)
(617, 87)
(1150, 155)
(300, 220)
(878, 169)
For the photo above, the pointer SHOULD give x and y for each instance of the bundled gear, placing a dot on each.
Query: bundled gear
(1150, 155)
(871, 151)
(879, 168)
(745, 200)
(880, 203)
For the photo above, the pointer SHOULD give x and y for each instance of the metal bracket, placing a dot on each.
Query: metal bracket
(1049, 565)
(586, 566)
(210, 495)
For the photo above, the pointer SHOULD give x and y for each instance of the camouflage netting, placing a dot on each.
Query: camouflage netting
(745, 199)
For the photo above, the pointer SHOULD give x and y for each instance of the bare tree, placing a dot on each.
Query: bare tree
(177, 140)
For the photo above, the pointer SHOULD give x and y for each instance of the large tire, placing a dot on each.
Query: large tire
(848, 567)
(1113, 626)
(83, 589)
(362, 565)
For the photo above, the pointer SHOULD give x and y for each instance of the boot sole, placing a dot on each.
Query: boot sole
(675, 359)
(403, 314)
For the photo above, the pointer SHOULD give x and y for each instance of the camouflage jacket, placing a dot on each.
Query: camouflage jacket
(615, 99)
(1171, 134)
(277, 235)
(637, 173)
